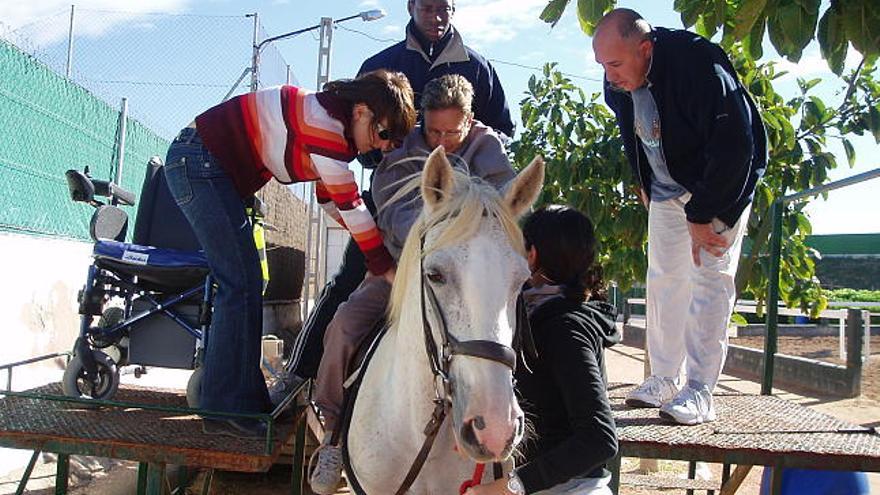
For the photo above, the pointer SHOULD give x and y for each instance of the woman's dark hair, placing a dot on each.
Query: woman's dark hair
(387, 94)
(566, 246)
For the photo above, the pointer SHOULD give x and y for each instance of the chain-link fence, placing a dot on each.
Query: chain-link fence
(61, 89)
(171, 67)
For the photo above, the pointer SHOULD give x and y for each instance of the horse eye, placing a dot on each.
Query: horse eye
(436, 277)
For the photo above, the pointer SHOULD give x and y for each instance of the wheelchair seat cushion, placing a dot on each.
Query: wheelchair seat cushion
(159, 269)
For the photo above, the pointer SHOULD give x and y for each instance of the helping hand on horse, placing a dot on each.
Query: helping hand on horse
(497, 487)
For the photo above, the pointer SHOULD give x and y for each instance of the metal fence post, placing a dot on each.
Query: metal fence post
(121, 131)
(772, 297)
(855, 334)
(255, 56)
(68, 67)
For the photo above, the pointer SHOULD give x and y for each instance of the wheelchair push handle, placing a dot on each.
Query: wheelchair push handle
(84, 188)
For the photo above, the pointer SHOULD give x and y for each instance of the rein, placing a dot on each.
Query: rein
(440, 360)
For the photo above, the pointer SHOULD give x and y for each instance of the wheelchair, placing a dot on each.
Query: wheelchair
(144, 303)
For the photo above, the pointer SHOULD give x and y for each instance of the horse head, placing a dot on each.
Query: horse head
(466, 256)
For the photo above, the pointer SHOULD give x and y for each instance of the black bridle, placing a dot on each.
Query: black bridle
(440, 360)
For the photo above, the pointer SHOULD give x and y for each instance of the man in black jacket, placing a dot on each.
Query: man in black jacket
(697, 147)
(432, 48)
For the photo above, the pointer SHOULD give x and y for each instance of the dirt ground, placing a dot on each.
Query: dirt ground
(825, 349)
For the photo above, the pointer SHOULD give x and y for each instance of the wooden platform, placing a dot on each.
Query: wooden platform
(750, 429)
(131, 433)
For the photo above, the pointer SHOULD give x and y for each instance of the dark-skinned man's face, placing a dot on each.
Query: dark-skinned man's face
(432, 17)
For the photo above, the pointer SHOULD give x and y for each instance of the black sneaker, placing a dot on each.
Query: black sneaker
(244, 428)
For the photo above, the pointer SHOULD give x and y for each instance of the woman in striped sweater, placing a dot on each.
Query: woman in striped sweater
(234, 149)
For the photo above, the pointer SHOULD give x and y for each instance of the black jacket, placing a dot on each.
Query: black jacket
(711, 131)
(564, 397)
(416, 59)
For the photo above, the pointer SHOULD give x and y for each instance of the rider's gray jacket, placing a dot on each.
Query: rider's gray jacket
(482, 153)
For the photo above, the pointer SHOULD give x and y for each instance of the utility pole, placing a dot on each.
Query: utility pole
(69, 65)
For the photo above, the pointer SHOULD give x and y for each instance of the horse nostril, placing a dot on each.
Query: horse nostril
(468, 433)
(479, 423)
(520, 426)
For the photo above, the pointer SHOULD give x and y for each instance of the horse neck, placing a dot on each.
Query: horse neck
(414, 371)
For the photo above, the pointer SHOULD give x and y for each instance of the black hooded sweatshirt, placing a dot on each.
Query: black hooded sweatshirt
(564, 397)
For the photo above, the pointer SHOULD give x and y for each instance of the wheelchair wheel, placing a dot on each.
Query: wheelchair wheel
(75, 384)
(194, 387)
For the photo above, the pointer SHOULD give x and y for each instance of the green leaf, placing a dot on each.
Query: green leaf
(738, 320)
(832, 39)
(755, 41)
(862, 21)
(874, 122)
(808, 85)
(590, 11)
(746, 17)
(850, 152)
(792, 26)
(553, 11)
(690, 11)
(777, 36)
(705, 27)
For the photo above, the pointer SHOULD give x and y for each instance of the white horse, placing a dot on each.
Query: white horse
(459, 276)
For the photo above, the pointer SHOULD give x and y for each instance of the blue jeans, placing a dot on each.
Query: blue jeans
(232, 380)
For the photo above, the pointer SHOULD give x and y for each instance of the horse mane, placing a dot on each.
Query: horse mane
(459, 216)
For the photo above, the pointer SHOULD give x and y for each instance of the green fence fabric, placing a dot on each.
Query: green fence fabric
(47, 126)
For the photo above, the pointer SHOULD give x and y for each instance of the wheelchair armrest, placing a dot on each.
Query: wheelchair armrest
(124, 196)
(113, 191)
(80, 186)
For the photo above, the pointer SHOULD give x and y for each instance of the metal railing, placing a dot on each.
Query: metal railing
(776, 210)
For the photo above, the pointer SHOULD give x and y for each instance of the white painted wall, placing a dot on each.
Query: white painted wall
(39, 281)
(337, 240)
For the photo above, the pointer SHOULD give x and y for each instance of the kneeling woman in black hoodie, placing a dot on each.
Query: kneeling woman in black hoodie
(564, 395)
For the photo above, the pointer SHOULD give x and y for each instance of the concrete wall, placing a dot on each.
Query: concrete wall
(793, 372)
(38, 298)
(797, 373)
(40, 281)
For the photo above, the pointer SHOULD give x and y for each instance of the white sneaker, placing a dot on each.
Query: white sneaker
(692, 406)
(653, 392)
(327, 472)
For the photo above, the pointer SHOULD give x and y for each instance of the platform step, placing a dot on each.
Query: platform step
(667, 482)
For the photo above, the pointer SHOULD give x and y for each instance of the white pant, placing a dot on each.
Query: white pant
(688, 306)
(580, 486)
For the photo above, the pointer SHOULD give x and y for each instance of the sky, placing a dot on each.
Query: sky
(507, 32)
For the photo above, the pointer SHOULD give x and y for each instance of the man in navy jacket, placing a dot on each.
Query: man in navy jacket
(432, 48)
(697, 147)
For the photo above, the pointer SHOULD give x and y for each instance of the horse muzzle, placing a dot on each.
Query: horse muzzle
(491, 441)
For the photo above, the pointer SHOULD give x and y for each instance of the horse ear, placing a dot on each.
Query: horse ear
(524, 189)
(436, 178)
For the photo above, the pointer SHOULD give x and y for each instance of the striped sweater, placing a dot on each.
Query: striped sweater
(287, 133)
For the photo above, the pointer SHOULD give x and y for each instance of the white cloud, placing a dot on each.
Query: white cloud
(392, 30)
(369, 4)
(484, 22)
(48, 18)
(812, 63)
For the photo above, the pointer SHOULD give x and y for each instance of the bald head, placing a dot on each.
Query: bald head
(622, 44)
(624, 23)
